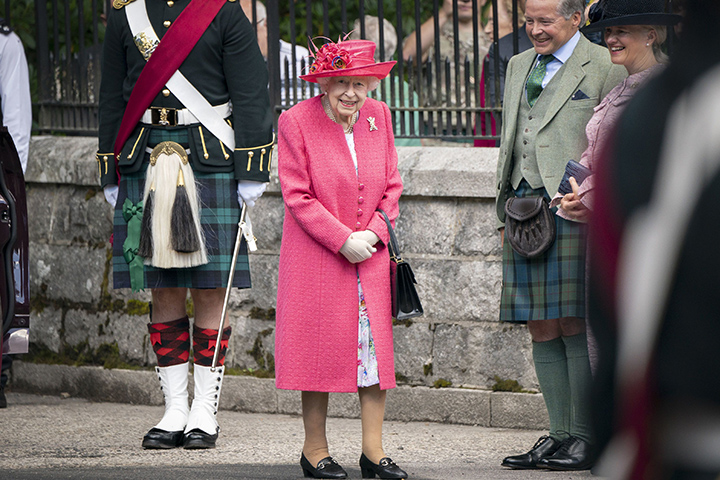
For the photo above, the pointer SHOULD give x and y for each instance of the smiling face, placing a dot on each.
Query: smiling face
(547, 29)
(631, 46)
(347, 95)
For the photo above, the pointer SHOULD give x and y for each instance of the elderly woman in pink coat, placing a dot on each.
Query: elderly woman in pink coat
(337, 166)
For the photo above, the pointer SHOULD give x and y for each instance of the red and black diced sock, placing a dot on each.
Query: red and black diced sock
(171, 341)
(204, 340)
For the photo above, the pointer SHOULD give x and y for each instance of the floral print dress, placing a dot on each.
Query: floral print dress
(367, 360)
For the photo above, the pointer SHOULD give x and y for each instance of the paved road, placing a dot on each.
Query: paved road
(52, 438)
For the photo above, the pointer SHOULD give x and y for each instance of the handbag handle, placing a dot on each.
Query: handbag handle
(393, 246)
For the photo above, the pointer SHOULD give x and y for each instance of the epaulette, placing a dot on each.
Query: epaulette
(118, 4)
(4, 27)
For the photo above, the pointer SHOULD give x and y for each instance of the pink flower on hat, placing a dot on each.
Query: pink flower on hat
(330, 56)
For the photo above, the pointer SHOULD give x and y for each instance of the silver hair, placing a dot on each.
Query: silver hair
(567, 8)
(661, 33)
(373, 83)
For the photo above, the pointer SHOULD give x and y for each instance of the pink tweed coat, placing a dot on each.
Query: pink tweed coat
(316, 335)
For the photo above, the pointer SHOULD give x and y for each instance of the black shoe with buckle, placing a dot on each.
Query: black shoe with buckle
(385, 469)
(325, 468)
(544, 447)
(574, 454)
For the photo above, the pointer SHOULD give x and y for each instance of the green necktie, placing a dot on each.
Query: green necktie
(534, 82)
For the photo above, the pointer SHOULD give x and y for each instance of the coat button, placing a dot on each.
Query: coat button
(358, 225)
(166, 92)
(167, 23)
(170, 3)
(530, 117)
(524, 142)
(527, 130)
(361, 186)
(359, 213)
(361, 200)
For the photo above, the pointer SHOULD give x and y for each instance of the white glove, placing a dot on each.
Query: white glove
(357, 250)
(367, 235)
(249, 191)
(111, 194)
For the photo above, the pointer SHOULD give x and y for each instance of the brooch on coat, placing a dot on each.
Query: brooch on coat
(371, 121)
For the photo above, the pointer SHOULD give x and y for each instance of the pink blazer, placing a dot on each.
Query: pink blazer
(316, 336)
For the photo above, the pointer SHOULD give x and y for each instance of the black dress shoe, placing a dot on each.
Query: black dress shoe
(544, 447)
(326, 468)
(160, 439)
(573, 454)
(385, 469)
(196, 439)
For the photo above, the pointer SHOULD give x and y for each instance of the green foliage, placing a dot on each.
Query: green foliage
(400, 378)
(106, 355)
(507, 385)
(442, 383)
(137, 307)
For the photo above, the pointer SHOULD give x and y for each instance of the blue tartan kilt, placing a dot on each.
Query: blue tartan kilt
(550, 286)
(220, 214)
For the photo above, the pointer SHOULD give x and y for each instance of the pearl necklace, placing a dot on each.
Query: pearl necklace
(329, 112)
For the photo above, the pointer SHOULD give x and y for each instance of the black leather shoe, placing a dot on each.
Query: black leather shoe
(326, 468)
(573, 454)
(196, 439)
(385, 469)
(160, 439)
(3, 400)
(544, 447)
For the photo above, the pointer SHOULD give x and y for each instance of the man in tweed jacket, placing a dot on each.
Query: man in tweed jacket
(550, 94)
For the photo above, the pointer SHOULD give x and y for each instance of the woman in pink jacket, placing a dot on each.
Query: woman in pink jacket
(337, 166)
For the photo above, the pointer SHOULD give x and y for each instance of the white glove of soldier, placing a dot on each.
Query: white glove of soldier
(249, 191)
(357, 250)
(367, 235)
(111, 194)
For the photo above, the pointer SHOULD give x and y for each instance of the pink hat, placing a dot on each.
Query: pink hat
(349, 58)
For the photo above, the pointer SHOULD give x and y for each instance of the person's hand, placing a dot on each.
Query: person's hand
(572, 205)
(357, 250)
(111, 194)
(502, 237)
(367, 235)
(249, 191)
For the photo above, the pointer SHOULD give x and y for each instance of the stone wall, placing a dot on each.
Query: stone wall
(446, 230)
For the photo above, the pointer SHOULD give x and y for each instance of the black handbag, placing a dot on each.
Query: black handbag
(529, 226)
(405, 301)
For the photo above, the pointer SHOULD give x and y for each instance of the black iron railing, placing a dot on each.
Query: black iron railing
(440, 97)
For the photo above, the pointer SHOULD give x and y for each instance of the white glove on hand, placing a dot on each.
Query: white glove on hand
(111, 194)
(367, 235)
(249, 191)
(357, 250)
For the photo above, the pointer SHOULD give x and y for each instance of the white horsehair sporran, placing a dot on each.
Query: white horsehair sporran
(171, 235)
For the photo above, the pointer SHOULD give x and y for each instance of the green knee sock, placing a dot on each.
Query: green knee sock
(578, 365)
(552, 372)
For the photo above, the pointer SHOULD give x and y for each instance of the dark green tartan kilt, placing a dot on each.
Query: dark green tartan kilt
(551, 286)
(220, 214)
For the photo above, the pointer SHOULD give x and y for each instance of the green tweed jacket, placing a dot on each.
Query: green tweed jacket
(561, 135)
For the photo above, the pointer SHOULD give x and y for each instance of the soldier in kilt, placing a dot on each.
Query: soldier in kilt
(177, 180)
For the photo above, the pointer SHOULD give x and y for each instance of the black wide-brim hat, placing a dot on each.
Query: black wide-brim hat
(611, 13)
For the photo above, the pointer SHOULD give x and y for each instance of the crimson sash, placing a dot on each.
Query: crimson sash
(175, 46)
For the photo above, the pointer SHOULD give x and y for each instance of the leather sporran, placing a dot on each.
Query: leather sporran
(405, 301)
(529, 226)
